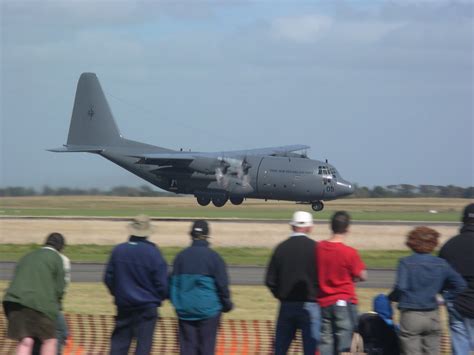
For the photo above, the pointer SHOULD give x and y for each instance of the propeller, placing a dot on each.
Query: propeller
(221, 177)
(233, 169)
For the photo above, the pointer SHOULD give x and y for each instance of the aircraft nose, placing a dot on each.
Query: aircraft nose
(345, 188)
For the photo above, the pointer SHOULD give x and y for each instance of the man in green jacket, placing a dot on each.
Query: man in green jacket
(32, 301)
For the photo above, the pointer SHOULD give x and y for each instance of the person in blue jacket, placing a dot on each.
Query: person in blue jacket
(420, 277)
(199, 291)
(136, 275)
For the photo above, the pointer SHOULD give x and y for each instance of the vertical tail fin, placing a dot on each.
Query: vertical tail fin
(92, 122)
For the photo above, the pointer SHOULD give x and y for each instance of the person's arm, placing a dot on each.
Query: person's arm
(454, 283)
(160, 275)
(271, 277)
(67, 269)
(400, 282)
(362, 276)
(358, 270)
(222, 284)
(109, 275)
(172, 280)
(60, 281)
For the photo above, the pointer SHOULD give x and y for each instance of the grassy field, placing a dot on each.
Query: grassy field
(251, 302)
(232, 256)
(415, 209)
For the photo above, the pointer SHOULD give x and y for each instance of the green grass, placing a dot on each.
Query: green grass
(384, 259)
(415, 209)
(251, 302)
(232, 255)
(243, 214)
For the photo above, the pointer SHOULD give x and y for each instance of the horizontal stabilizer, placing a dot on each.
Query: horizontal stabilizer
(76, 149)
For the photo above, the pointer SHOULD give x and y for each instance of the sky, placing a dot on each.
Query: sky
(382, 89)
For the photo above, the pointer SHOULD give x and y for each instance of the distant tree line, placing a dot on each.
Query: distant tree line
(407, 190)
(401, 190)
(141, 191)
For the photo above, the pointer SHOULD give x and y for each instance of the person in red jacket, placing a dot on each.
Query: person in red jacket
(338, 267)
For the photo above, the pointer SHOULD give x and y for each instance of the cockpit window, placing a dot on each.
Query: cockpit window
(324, 170)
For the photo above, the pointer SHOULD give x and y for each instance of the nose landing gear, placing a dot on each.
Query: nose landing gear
(317, 206)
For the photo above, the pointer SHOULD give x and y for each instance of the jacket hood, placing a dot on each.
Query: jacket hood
(383, 307)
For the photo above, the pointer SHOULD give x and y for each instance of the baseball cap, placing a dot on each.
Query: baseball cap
(200, 228)
(301, 219)
(468, 215)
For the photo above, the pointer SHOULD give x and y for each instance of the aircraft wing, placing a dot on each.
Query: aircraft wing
(177, 159)
(282, 150)
(185, 159)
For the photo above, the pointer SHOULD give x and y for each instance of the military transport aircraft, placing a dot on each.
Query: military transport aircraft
(278, 173)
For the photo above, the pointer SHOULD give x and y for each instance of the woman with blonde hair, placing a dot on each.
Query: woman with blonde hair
(420, 277)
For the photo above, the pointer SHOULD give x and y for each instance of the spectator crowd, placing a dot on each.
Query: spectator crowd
(314, 283)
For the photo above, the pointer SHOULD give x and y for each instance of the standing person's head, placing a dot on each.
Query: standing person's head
(340, 222)
(199, 230)
(468, 215)
(302, 222)
(56, 241)
(422, 240)
(140, 226)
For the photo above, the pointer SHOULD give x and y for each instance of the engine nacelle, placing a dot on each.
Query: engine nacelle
(205, 165)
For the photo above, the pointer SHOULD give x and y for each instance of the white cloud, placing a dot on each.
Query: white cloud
(310, 28)
(302, 28)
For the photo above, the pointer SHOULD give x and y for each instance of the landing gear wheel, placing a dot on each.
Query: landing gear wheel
(203, 200)
(317, 206)
(219, 201)
(236, 200)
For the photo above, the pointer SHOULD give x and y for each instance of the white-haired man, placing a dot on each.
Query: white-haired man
(292, 278)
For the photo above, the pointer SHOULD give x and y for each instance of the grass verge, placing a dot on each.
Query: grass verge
(251, 302)
(408, 209)
(232, 255)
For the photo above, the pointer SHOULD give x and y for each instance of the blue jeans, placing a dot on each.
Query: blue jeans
(338, 325)
(462, 331)
(61, 332)
(298, 315)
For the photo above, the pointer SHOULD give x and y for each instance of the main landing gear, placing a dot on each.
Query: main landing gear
(236, 200)
(218, 200)
(203, 200)
(317, 206)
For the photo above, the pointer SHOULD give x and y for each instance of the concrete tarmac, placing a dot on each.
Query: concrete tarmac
(239, 275)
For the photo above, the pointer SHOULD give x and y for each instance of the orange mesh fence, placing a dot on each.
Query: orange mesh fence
(90, 334)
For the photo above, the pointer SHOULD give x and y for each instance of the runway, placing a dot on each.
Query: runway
(239, 275)
(232, 220)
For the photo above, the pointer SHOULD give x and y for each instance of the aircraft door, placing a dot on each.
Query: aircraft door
(264, 179)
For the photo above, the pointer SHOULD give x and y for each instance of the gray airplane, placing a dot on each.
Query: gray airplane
(277, 173)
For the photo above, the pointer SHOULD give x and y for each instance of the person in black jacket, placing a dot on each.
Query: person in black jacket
(199, 291)
(291, 277)
(136, 275)
(459, 253)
